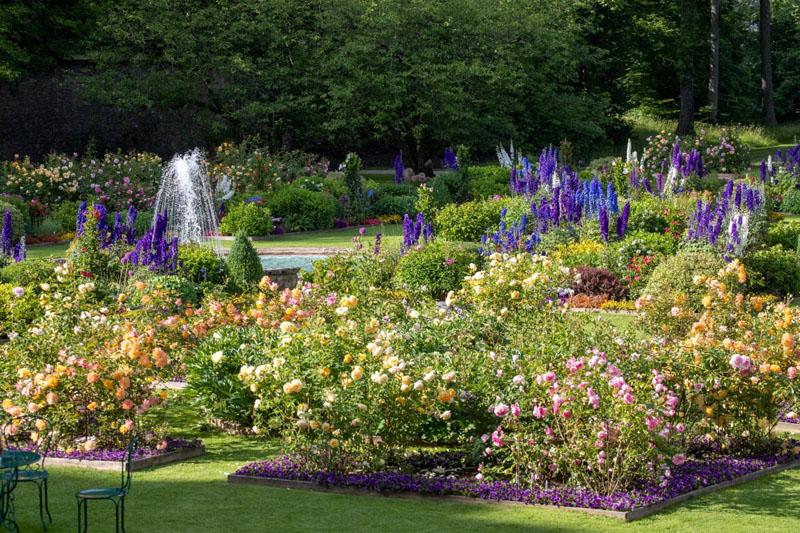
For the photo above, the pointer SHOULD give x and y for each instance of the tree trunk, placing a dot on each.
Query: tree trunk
(713, 76)
(686, 119)
(765, 29)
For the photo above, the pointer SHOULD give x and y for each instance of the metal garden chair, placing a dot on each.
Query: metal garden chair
(31, 432)
(114, 494)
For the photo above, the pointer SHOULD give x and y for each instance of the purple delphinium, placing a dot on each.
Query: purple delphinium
(130, 224)
(80, 218)
(763, 171)
(603, 215)
(450, 160)
(399, 168)
(20, 251)
(377, 248)
(622, 220)
(611, 199)
(118, 230)
(6, 235)
(154, 249)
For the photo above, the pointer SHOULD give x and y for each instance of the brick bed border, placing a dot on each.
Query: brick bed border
(137, 464)
(628, 516)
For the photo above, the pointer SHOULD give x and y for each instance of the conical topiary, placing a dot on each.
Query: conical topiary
(244, 265)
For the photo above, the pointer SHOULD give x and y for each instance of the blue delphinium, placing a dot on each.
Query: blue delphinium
(80, 219)
(603, 215)
(450, 160)
(611, 199)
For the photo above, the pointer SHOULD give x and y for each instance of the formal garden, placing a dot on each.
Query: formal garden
(358, 266)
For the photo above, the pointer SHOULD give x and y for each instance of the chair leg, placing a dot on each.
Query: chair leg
(47, 503)
(116, 513)
(41, 504)
(80, 502)
(122, 521)
(85, 516)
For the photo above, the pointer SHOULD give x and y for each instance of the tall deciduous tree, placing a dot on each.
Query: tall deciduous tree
(765, 30)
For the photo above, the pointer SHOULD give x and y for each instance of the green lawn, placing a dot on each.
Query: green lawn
(334, 238)
(194, 496)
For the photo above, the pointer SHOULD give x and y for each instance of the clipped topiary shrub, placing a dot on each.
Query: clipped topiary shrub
(436, 268)
(200, 264)
(594, 281)
(249, 218)
(469, 221)
(244, 266)
(774, 271)
(301, 209)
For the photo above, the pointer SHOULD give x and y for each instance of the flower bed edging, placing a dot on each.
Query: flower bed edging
(788, 427)
(137, 464)
(629, 516)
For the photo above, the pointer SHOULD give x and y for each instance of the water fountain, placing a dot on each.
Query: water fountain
(185, 196)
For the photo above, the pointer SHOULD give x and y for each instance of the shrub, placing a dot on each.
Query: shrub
(785, 234)
(163, 289)
(18, 311)
(28, 272)
(48, 226)
(449, 187)
(774, 270)
(395, 189)
(244, 265)
(302, 210)
(469, 221)
(488, 181)
(213, 370)
(200, 264)
(394, 205)
(598, 282)
(791, 202)
(675, 276)
(17, 220)
(353, 273)
(19, 203)
(584, 252)
(248, 218)
(436, 268)
(65, 214)
(654, 215)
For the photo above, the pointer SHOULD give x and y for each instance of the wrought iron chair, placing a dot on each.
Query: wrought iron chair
(31, 432)
(114, 494)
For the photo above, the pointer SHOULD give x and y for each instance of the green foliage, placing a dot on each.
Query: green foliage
(48, 226)
(436, 268)
(785, 234)
(249, 218)
(675, 276)
(212, 375)
(488, 181)
(244, 265)
(791, 202)
(302, 210)
(353, 273)
(17, 313)
(200, 264)
(354, 209)
(29, 272)
(394, 205)
(469, 221)
(449, 187)
(166, 288)
(65, 213)
(774, 270)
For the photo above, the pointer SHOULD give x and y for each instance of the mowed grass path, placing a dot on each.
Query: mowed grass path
(194, 496)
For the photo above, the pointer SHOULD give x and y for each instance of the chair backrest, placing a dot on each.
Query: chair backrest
(127, 460)
(29, 432)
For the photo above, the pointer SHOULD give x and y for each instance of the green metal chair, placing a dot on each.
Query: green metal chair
(31, 432)
(114, 494)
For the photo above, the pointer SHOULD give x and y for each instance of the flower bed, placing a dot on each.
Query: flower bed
(690, 479)
(168, 451)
